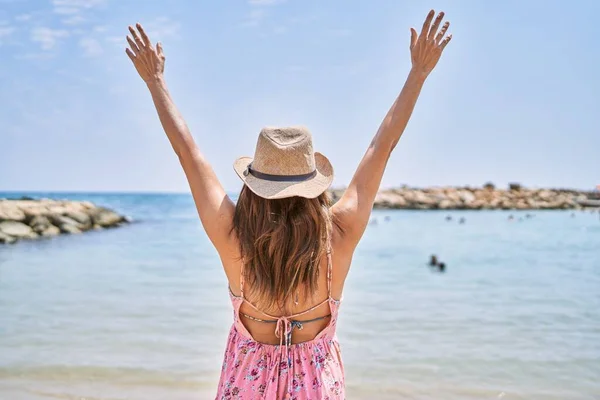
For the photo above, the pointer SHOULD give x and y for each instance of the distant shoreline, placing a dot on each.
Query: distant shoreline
(488, 197)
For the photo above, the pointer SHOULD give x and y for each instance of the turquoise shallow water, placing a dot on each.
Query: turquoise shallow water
(142, 312)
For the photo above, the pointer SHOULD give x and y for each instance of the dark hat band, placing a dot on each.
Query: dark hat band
(280, 178)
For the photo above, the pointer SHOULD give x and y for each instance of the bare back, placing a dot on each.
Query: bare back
(264, 333)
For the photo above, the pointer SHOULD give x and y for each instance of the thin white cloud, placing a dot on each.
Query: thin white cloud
(72, 15)
(343, 70)
(48, 38)
(73, 11)
(91, 47)
(66, 10)
(265, 2)
(280, 30)
(6, 32)
(81, 4)
(41, 55)
(254, 18)
(340, 32)
(257, 14)
(23, 17)
(161, 28)
(75, 19)
(119, 40)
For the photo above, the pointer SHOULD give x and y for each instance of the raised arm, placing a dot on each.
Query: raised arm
(214, 206)
(353, 210)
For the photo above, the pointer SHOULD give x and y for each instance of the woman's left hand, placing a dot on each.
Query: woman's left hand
(149, 62)
(426, 48)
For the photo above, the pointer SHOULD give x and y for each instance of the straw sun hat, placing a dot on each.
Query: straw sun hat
(285, 165)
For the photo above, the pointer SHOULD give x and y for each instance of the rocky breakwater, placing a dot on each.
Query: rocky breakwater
(32, 219)
(486, 198)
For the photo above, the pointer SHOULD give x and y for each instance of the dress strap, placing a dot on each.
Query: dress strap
(242, 279)
(296, 323)
(329, 266)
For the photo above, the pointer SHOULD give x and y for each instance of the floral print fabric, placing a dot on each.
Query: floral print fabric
(257, 371)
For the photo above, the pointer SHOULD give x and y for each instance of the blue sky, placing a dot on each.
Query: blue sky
(515, 97)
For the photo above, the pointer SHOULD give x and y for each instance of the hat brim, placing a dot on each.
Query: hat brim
(310, 188)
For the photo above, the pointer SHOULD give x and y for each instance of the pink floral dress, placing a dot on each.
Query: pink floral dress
(303, 371)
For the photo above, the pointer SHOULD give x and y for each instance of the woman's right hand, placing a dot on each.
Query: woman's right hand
(148, 61)
(426, 48)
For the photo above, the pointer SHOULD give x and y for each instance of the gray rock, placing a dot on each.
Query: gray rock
(74, 206)
(466, 197)
(7, 239)
(521, 205)
(423, 201)
(32, 212)
(50, 231)
(39, 223)
(88, 205)
(390, 200)
(60, 220)
(69, 228)
(545, 195)
(27, 218)
(56, 209)
(10, 213)
(439, 197)
(477, 204)
(84, 220)
(30, 235)
(16, 229)
(453, 196)
(446, 204)
(106, 218)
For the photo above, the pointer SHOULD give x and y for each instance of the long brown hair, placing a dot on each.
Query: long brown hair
(281, 242)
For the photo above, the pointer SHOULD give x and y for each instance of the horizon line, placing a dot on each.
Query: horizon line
(592, 188)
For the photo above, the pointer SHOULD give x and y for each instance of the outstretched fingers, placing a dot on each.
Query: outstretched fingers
(445, 42)
(133, 45)
(136, 37)
(145, 37)
(427, 24)
(435, 26)
(426, 49)
(441, 33)
(130, 54)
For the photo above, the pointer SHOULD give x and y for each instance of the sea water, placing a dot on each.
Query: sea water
(142, 311)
